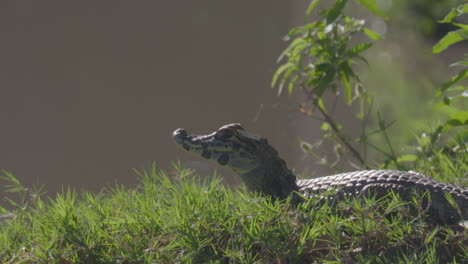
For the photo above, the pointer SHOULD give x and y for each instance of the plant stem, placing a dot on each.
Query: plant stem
(337, 132)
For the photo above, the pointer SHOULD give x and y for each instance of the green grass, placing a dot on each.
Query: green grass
(189, 220)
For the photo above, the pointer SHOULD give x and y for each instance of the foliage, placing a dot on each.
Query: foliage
(452, 93)
(447, 144)
(319, 53)
(320, 59)
(421, 16)
(194, 221)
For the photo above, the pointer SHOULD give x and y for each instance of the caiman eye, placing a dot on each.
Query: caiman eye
(225, 133)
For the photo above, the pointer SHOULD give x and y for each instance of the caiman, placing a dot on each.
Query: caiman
(261, 168)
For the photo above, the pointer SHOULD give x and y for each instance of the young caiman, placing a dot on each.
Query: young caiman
(262, 170)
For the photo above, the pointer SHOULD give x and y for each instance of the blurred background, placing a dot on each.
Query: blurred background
(90, 90)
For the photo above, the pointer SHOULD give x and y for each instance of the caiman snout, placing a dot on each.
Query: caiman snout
(179, 134)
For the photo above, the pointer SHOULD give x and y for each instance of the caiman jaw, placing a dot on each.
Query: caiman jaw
(229, 146)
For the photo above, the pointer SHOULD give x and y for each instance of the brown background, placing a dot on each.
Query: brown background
(90, 90)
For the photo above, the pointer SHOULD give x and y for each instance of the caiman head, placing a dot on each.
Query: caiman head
(229, 146)
(246, 154)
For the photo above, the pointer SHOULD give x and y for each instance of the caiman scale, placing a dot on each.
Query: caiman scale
(262, 170)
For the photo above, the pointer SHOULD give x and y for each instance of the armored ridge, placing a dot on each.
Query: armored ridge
(262, 170)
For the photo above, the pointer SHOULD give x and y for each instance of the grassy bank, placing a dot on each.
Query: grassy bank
(193, 221)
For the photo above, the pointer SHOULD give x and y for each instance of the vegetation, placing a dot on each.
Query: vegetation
(183, 219)
(321, 60)
(191, 221)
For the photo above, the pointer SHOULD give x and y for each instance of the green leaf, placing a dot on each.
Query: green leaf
(321, 104)
(371, 34)
(347, 86)
(311, 7)
(363, 59)
(463, 74)
(325, 80)
(278, 72)
(458, 119)
(372, 6)
(447, 100)
(286, 78)
(406, 158)
(325, 126)
(457, 11)
(458, 88)
(289, 51)
(292, 84)
(460, 63)
(296, 51)
(462, 26)
(299, 42)
(450, 39)
(335, 11)
(287, 74)
(462, 137)
(359, 48)
(293, 32)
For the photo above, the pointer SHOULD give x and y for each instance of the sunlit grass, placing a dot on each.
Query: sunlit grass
(190, 220)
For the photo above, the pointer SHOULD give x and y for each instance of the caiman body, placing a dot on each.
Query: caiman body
(261, 168)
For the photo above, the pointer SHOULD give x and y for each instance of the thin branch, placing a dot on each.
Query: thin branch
(337, 132)
(384, 131)
(335, 129)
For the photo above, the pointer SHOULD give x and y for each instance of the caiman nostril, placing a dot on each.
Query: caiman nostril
(179, 133)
